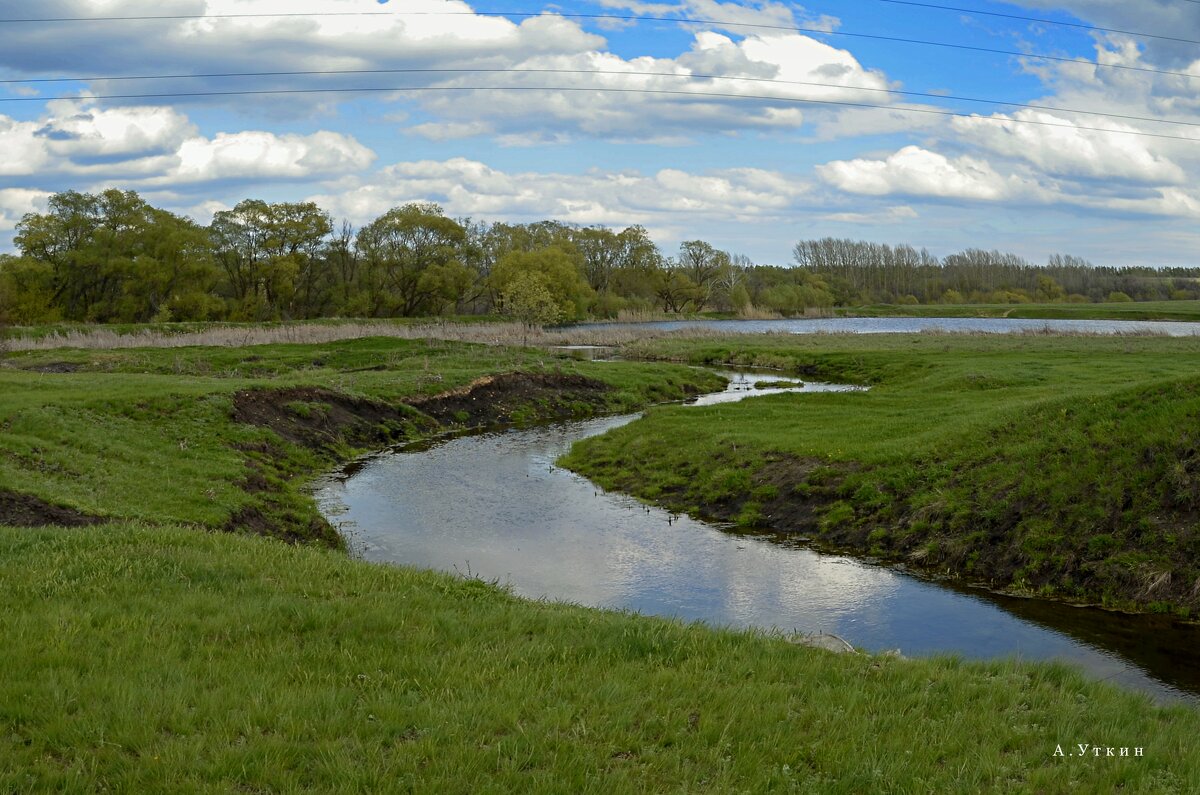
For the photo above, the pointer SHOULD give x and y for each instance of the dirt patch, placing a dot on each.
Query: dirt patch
(25, 510)
(513, 397)
(321, 419)
(329, 422)
(790, 495)
(57, 367)
(261, 520)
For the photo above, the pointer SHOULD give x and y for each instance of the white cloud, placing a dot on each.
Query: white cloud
(915, 171)
(264, 155)
(435, 34)
(470, 188)
(79, 130)
(890, 215)
(16, 202)
(1068, 150)
(766, 83)
(435, 131)
(145, 147)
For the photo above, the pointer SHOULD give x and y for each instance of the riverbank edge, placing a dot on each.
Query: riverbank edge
(280, 432)
(835, 506)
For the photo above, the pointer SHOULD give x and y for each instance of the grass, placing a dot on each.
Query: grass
(152, 654)
(147, 434)
(146, 659)
(1061, 466)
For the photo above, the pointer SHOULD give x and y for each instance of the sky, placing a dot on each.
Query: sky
(752, 126)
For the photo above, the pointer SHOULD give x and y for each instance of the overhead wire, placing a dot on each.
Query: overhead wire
(1040, 20)
(606, 72)
(605, 89)
(627, 18)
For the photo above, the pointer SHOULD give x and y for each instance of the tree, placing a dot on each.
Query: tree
(399, 247)
(270, 255)
(557, 272)
(527, 298)
(703, 265)
(113, 257)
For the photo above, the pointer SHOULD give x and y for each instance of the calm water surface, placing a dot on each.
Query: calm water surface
(496, 506)
(913, 325)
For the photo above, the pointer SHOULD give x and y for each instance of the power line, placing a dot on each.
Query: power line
(600, 89)
(1040, 20)
(616, 72)
(636, 18)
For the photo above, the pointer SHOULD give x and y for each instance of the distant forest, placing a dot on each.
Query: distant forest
(112, 257)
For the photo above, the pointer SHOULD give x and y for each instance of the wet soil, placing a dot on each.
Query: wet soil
(334, 425)
(25, 510)
(321, 419)
(513, 397)
(800, 496)
(56, 367)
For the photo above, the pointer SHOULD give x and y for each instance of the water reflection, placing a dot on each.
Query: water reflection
(742, 385)
(912, 325)
(496, 506)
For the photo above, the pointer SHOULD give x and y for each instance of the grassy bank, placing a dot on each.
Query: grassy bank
(164, 660)
(1141, 310)
(225, 437)
(145, 651)
(1056, 466)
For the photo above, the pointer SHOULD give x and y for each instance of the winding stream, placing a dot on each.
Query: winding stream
(496, 506)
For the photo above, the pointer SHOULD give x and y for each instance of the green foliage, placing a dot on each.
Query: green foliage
(527, 298)
(399, 247)
(106, 258)
(547, 283)
(113, 258)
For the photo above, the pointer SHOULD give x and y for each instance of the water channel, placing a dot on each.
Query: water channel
(496, 506)
(910, 325)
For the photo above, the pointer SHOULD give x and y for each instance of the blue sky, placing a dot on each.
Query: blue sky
(752, 173)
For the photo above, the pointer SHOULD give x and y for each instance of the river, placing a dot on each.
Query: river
(496, 506)
(910, 325)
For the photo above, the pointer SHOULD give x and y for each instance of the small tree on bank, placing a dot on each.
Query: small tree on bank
(527, 298)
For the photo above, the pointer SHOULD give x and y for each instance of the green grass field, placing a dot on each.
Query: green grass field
(146, 434)
(145, 659)
(152, 653)
(1062, 466)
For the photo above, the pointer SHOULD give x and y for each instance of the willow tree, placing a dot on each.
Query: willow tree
(411, 260)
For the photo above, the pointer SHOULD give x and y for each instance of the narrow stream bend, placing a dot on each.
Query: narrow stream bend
(495, 505)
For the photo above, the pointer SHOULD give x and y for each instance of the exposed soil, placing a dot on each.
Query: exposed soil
(56, 367)
(328, 422)
(496, 400)
(25, 510)
(797, 504)
(321, 419)
(261, 521)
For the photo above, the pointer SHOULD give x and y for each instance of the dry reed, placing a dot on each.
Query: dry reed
(497, 333)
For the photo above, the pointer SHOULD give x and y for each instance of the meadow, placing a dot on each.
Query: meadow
(1061, 466)
(163, 645)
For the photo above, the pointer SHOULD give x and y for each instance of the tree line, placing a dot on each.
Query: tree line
(112, 257)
